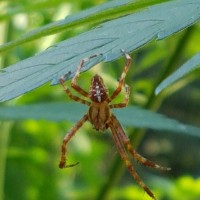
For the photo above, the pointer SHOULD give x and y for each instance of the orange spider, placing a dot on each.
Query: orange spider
(101, 118)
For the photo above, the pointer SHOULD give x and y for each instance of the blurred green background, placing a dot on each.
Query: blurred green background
(30, 150)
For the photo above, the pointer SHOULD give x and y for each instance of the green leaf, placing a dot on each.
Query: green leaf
(129, 32)
(186, 68)
(98, 14)
(15, 7)
(130, 116)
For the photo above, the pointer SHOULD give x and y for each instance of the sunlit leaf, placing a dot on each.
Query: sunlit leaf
(130, 116)
(129, 32)
(186, 68)
(16, 7)
(101, 13)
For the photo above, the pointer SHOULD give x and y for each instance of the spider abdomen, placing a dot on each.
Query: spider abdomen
(99, 115)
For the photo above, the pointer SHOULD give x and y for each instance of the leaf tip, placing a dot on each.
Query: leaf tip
(158, 90)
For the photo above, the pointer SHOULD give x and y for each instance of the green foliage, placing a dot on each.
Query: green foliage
(33, 125)
(183, 188)
(97, 14)
(57, 112)
(186, 68)
(129, 32)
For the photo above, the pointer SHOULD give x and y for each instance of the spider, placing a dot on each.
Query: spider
(101, 118)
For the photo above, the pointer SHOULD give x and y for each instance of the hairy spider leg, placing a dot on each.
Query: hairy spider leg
(67, 138)
(132, 151)
(74, 80)
(122, 77)
(126, 99)
(70, 95)
(78, 99)
(125, 158)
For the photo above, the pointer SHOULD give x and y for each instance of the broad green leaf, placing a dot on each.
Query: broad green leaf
(129, 32)
(186, 68)
(98, 14)
(130, 116)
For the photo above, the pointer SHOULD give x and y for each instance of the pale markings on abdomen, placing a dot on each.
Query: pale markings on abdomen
(98, 93)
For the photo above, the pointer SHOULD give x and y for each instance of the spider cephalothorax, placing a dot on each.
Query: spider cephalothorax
(101, 118)
(99, 111)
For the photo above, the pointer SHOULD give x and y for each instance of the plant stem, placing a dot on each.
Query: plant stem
(4, 126)
(4, 138)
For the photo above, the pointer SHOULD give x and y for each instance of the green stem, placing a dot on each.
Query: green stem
(4, 126)
(4, 138)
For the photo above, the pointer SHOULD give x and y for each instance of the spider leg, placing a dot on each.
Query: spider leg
(67, 138)
(125, 158)
(75, 98)
(74, 80)
(122, 77)
(132, 151)
(125, 103)
(138, 157)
